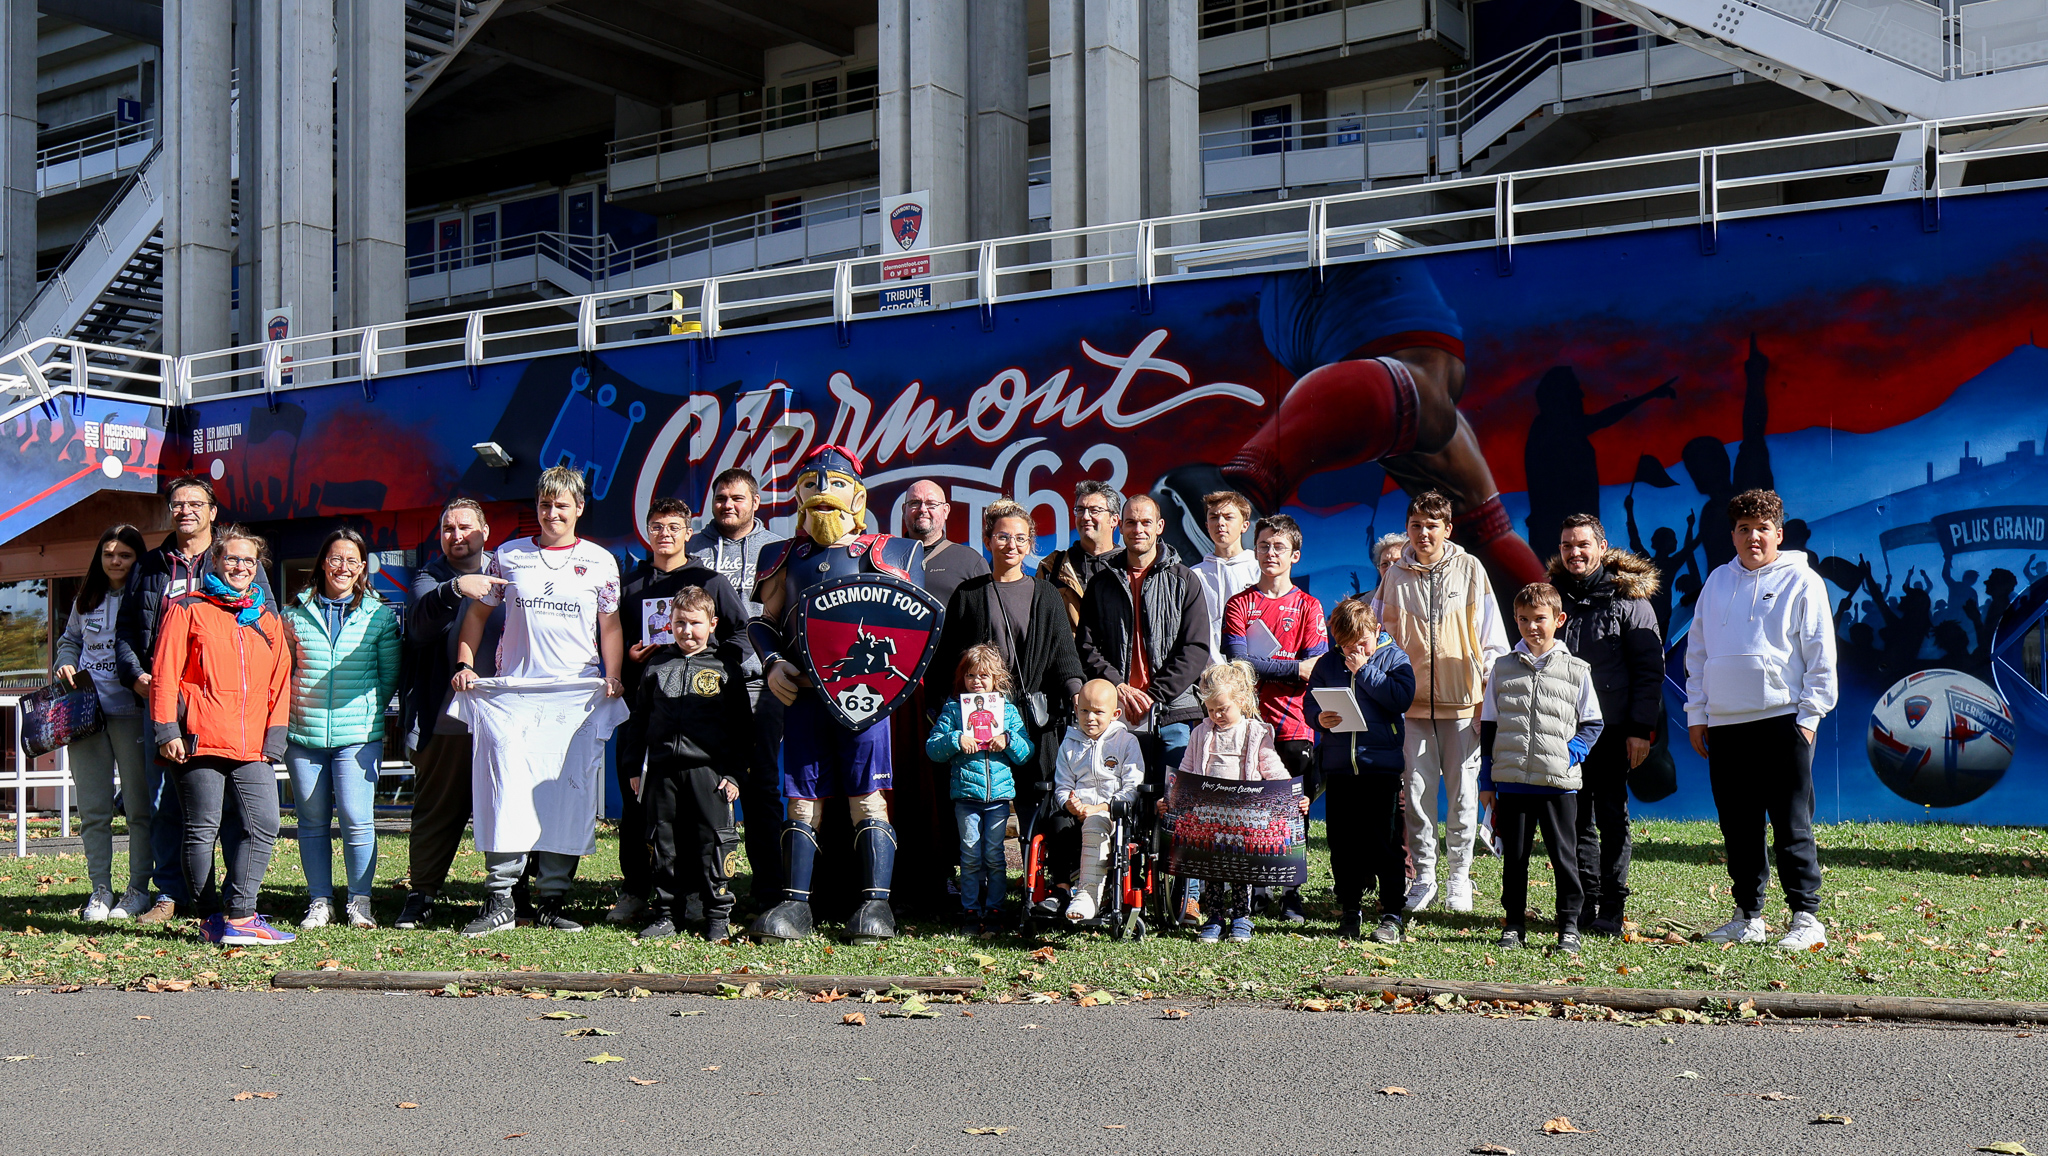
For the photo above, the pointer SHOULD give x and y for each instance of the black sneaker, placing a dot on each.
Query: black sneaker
(1290, 907)
(1607, 927)
(718, 931)
(661, 928)
(1512, 939)
(497, 915)
(547, 915)
(1389, 930)
(417, 912)
(1349, 926)
(1568, 941)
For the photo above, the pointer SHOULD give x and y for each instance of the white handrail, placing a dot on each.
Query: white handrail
(1496, 212)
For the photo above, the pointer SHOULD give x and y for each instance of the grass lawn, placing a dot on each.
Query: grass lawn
(1911, 910)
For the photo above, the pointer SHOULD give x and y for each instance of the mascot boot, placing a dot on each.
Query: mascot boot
(874, 856)
(791, 918)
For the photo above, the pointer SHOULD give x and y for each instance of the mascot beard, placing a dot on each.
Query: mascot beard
(827, 519)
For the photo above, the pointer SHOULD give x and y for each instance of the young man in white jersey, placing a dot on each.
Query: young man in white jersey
(561, 597)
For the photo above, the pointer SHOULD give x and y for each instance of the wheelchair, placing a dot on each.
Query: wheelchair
(1132, 903)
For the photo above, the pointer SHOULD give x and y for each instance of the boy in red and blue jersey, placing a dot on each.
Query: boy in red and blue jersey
(1278, 627)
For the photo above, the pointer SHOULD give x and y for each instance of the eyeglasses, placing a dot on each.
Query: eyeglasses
(925, 505)
(233, 563)
(339, 563)
(1091, 512)
(190, 505)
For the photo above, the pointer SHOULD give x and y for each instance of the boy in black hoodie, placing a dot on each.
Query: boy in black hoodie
(692, 724)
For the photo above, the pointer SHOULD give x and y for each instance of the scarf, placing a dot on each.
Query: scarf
(248, 605)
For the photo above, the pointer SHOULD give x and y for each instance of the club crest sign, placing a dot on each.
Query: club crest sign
(905, 222)
(865, 640)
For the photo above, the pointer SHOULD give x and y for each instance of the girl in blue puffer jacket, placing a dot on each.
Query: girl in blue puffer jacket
(1362, 768)
(345, 669)
(981, 745)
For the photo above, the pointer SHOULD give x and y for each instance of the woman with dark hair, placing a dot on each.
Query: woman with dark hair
(218, 704)
(345, 669)
(90, 646)
(1023, 618)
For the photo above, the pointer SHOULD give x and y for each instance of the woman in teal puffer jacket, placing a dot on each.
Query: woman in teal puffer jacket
(345, 669)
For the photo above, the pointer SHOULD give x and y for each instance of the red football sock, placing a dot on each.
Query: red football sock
(1337, 415)
(1488, 532)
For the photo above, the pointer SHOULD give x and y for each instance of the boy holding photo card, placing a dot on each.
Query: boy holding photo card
(1362, 690)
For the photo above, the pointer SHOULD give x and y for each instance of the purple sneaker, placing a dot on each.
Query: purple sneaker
(213, 927)
(257, 930)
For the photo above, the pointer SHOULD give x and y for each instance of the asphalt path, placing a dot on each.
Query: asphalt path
(116, 1072)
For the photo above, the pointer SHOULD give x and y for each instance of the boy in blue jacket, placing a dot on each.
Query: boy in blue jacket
(980, 747)
(1362, 768)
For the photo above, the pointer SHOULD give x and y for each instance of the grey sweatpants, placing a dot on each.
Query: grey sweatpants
(502, 869)
(93, 761)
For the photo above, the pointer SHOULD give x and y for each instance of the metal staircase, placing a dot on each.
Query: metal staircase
(1883, 60)
(436, 31)
(108, 289)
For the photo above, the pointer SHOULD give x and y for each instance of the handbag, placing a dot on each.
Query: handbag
(56, 715)
(1656, 777)
(1033, 704)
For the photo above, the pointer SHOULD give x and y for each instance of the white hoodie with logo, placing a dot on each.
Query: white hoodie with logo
(1761, 644)
(1095, 772)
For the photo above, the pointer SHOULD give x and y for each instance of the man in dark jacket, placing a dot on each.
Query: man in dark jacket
(1610, 623)
(1145, 627)
(440, 746)
(177, 567)
(647, 597)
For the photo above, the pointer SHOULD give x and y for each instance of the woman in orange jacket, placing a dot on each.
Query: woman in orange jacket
(219, 706)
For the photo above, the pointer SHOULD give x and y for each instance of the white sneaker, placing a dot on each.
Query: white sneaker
(98, 907)
(319, 913)
(132, 904)
(1083, 906)
(1458, 894)
(358, 908)
(1739, 930)
(1419, 894)
(1805, 934)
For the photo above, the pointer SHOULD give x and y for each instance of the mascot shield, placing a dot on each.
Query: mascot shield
(865, 641)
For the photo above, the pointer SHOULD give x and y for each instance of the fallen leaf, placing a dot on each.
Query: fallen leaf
(562, 1016)
(1393, 1091)
(1493, 1150)
(1314, 1005)
(865, 1079)
(708, 1068)
(1687, 1075)
(408, 1104)
(643, 1083)
(698, 1012)
(243, 1096)
(1560, 1126)
(915, 1009)
(2005, 1146)
(984, 1131)
(1826, 1119)
(1779, 985)
(1174, 1013)
(831, 995)
(535, 995)
(514, 1135)
(855, 1018)
(266, 1095)
(1127, 1125)
(1046, 955)
(983, 960)
(1674, 939)
(1097, 999)
(604, 1058)
(590, 1032)
(13, 1059)
(144, 1017)
(67, 989)
(1775, 1096)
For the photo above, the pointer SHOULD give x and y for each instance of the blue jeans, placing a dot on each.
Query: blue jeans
(326, 779)
(984, 872)
(167, 824)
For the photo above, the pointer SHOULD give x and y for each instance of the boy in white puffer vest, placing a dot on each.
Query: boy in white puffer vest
(1537, 721)
(1099, 763)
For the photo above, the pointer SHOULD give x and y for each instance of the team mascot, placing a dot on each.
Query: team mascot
(844, 633)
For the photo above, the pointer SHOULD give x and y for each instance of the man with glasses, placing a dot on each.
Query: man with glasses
(946, 564)
(646, 602)
(440, 746)
(1097, 506)
(731, 543)
(177, 567)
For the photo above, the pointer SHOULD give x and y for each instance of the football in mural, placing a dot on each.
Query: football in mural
(1940, 738)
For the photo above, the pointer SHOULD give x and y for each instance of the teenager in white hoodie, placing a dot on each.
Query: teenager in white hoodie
(1099, 763)
(1759, 677)
(1228, 568)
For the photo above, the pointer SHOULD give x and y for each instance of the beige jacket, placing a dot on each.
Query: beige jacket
(1446, 617)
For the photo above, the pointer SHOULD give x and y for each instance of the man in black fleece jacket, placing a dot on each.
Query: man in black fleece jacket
(1145, 628)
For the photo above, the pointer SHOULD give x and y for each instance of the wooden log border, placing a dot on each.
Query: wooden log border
(702, 984)
(1783, 1004)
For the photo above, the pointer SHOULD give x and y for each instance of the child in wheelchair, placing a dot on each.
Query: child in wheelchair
(1096, 782)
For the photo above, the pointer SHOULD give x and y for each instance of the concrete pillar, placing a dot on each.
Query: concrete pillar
(921, 116)
(999, 138)
(198, 247)
(369, 195)
(1125, 121)
(294, 169)
(17, 165)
